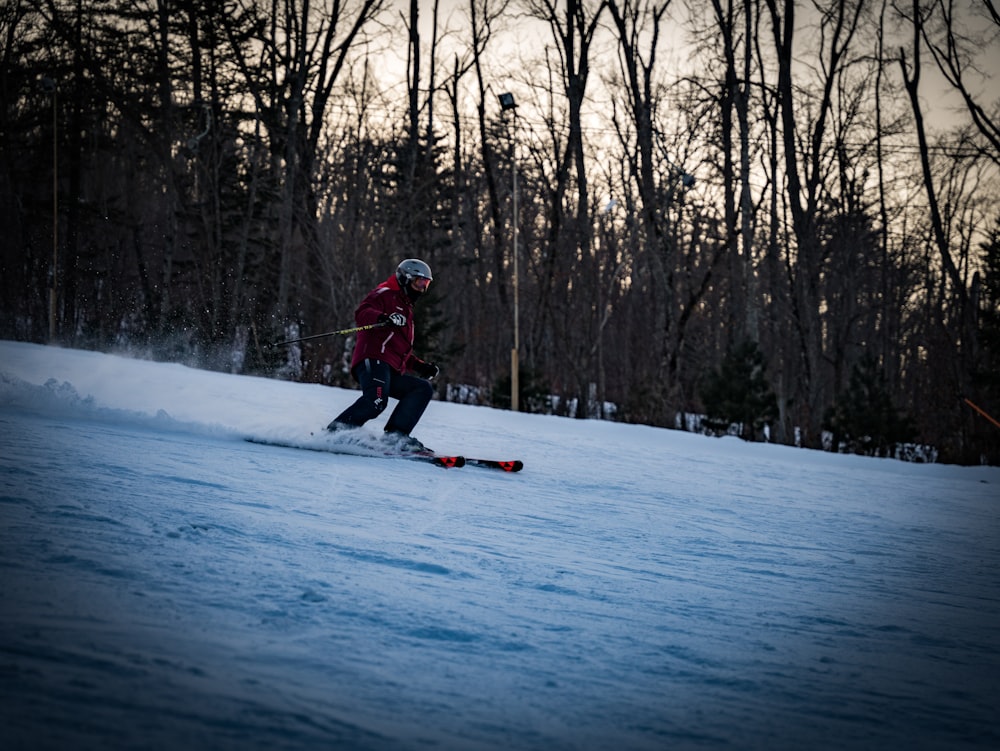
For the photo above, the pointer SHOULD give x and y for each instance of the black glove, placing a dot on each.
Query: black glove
(396, 319)
(426, 370)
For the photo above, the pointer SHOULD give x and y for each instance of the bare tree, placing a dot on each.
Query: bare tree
(736, 26)
(478, 201)
(305, 50)
(805, 176)
(569, 222)
(955, 51)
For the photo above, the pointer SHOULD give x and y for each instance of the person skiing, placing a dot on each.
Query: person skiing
(383, 363)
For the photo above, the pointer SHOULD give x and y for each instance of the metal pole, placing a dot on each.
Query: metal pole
(54, 285)
(515, 386)
(507, 104)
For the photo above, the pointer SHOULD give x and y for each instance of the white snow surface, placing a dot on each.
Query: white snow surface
(168, 585)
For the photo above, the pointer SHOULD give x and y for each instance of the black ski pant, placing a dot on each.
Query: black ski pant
(378, 383)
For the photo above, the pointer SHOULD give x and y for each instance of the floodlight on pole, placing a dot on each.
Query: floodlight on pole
(507, 104)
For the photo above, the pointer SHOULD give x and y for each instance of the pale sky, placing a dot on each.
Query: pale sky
(520, 39)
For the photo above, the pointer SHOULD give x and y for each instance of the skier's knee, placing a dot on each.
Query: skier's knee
(426, 391)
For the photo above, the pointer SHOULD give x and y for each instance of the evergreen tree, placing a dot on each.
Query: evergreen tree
(864, 418)
(985, 437)
(415, 209)
(738, 393)
(534, 393)
(988, 368)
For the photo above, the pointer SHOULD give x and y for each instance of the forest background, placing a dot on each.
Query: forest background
(777, 215)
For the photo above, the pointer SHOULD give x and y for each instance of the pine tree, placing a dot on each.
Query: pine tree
(986, 370)
(864, 418)
(738, 393)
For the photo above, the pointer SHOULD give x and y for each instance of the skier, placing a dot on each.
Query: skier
(383, 357)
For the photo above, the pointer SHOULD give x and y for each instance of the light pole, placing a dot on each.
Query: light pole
(49, 87)
(507, 104)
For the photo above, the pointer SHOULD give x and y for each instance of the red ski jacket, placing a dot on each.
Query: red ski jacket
(392, 345)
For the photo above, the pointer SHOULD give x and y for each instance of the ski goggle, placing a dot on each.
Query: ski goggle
(420, 283)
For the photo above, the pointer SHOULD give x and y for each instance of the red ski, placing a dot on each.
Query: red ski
(511, 465)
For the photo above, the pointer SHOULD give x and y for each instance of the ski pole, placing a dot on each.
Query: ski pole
(981, 411)
(330, 333)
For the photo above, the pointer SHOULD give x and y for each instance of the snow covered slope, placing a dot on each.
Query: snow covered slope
(165, 584)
